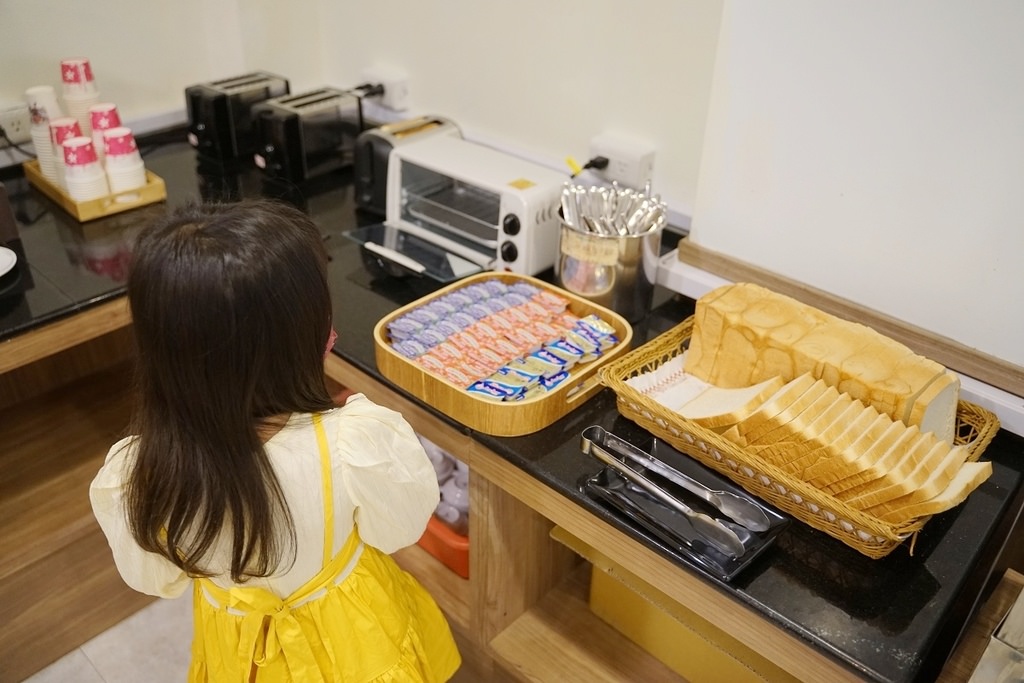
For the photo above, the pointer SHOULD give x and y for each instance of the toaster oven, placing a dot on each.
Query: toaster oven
(220, 113)
(373, 148)
(308, 134)
(455, 208)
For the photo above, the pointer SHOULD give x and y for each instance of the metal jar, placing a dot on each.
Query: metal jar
(614, 271)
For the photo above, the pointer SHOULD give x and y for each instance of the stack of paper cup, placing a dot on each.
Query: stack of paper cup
(125, 169)
(103, 117)
(61, 129)
(42, 107)
(80, 90)
(83, 173)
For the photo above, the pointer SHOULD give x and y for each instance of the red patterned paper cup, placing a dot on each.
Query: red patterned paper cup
(75, 71)
(79, 152)
(64, 128)
(119, 142)
(104, 116)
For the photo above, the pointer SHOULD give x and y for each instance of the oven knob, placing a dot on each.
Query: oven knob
(510, 224)
(509, 253)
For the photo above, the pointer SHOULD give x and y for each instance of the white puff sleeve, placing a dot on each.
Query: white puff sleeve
(143, 571)
(387, 474)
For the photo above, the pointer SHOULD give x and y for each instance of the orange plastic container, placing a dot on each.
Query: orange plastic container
(450, 548)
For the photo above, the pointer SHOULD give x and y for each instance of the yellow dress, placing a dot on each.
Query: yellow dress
(360, 619)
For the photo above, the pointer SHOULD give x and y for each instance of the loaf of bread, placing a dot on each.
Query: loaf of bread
(744, 334)
(854, 414)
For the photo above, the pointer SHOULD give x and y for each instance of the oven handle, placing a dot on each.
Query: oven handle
(396, 257)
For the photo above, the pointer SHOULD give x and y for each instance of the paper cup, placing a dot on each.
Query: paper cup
(42, 104)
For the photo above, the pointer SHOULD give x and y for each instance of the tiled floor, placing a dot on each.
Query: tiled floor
(152, 645)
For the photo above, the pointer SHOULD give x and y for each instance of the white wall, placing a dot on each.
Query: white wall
(142, 54)
(544, 77)
(536, 77)
(876, 151)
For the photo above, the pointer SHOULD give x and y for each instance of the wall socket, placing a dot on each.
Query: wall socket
(630, 161)
(395, 82)
(16, 123)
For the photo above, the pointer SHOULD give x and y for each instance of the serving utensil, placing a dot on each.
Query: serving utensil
(715, 533)
(736, 507)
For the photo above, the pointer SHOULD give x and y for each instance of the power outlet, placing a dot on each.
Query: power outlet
(395, 82)
(630, 161)
(16, 123)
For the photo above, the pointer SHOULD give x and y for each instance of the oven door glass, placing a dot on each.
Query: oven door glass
(399, 252)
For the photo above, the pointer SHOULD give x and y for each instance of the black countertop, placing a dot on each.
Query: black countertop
(895, 619)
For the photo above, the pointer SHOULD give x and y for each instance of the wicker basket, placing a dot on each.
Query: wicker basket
(871, 536)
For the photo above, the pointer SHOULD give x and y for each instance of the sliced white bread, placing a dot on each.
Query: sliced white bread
(848, 460)
(717, 408)
(907, 438)
(790, 395)
(679, 392)
(820, 451)
(744, 333)
(799, 423)
(969, 477)
(866, 467)
(936, 469)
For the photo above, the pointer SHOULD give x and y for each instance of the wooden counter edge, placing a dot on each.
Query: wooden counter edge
(753, 630)
(64, 334)
(968, 652)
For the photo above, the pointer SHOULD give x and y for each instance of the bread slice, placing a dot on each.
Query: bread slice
(790, 452)
(788, 395)
(744, 334)
(821, 450)
(799, 423)
(679, 392)
(936, 469)
(934, 409)
(717, 408)
(969, 477)
(867, 468)
(848, 460)
(852, 487)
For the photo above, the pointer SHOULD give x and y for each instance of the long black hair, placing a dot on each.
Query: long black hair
(231, 312)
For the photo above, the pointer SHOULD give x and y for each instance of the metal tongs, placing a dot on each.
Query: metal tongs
(716, 533)
(738, 508)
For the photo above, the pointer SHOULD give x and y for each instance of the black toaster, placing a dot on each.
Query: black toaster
(308, 134)
(220, 114)
(372, 149)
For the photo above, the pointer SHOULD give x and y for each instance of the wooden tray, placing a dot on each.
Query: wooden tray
(513, 418)
(975, 429)
(152, 192)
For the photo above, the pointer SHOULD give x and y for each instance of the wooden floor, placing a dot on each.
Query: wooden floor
(54, 560)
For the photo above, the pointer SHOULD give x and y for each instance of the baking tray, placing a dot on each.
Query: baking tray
(669, 530)
(505, 418)
(152, 192)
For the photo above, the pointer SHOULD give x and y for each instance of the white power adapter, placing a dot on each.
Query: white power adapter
(630, 161)
(395, 82)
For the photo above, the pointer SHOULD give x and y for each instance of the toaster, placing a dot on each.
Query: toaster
(373, 147)
(220, 116)
(456, 208)
(306, 135)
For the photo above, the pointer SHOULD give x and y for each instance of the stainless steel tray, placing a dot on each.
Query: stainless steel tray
(671, 531)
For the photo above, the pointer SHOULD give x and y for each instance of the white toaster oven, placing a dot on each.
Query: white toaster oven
(455, 208)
